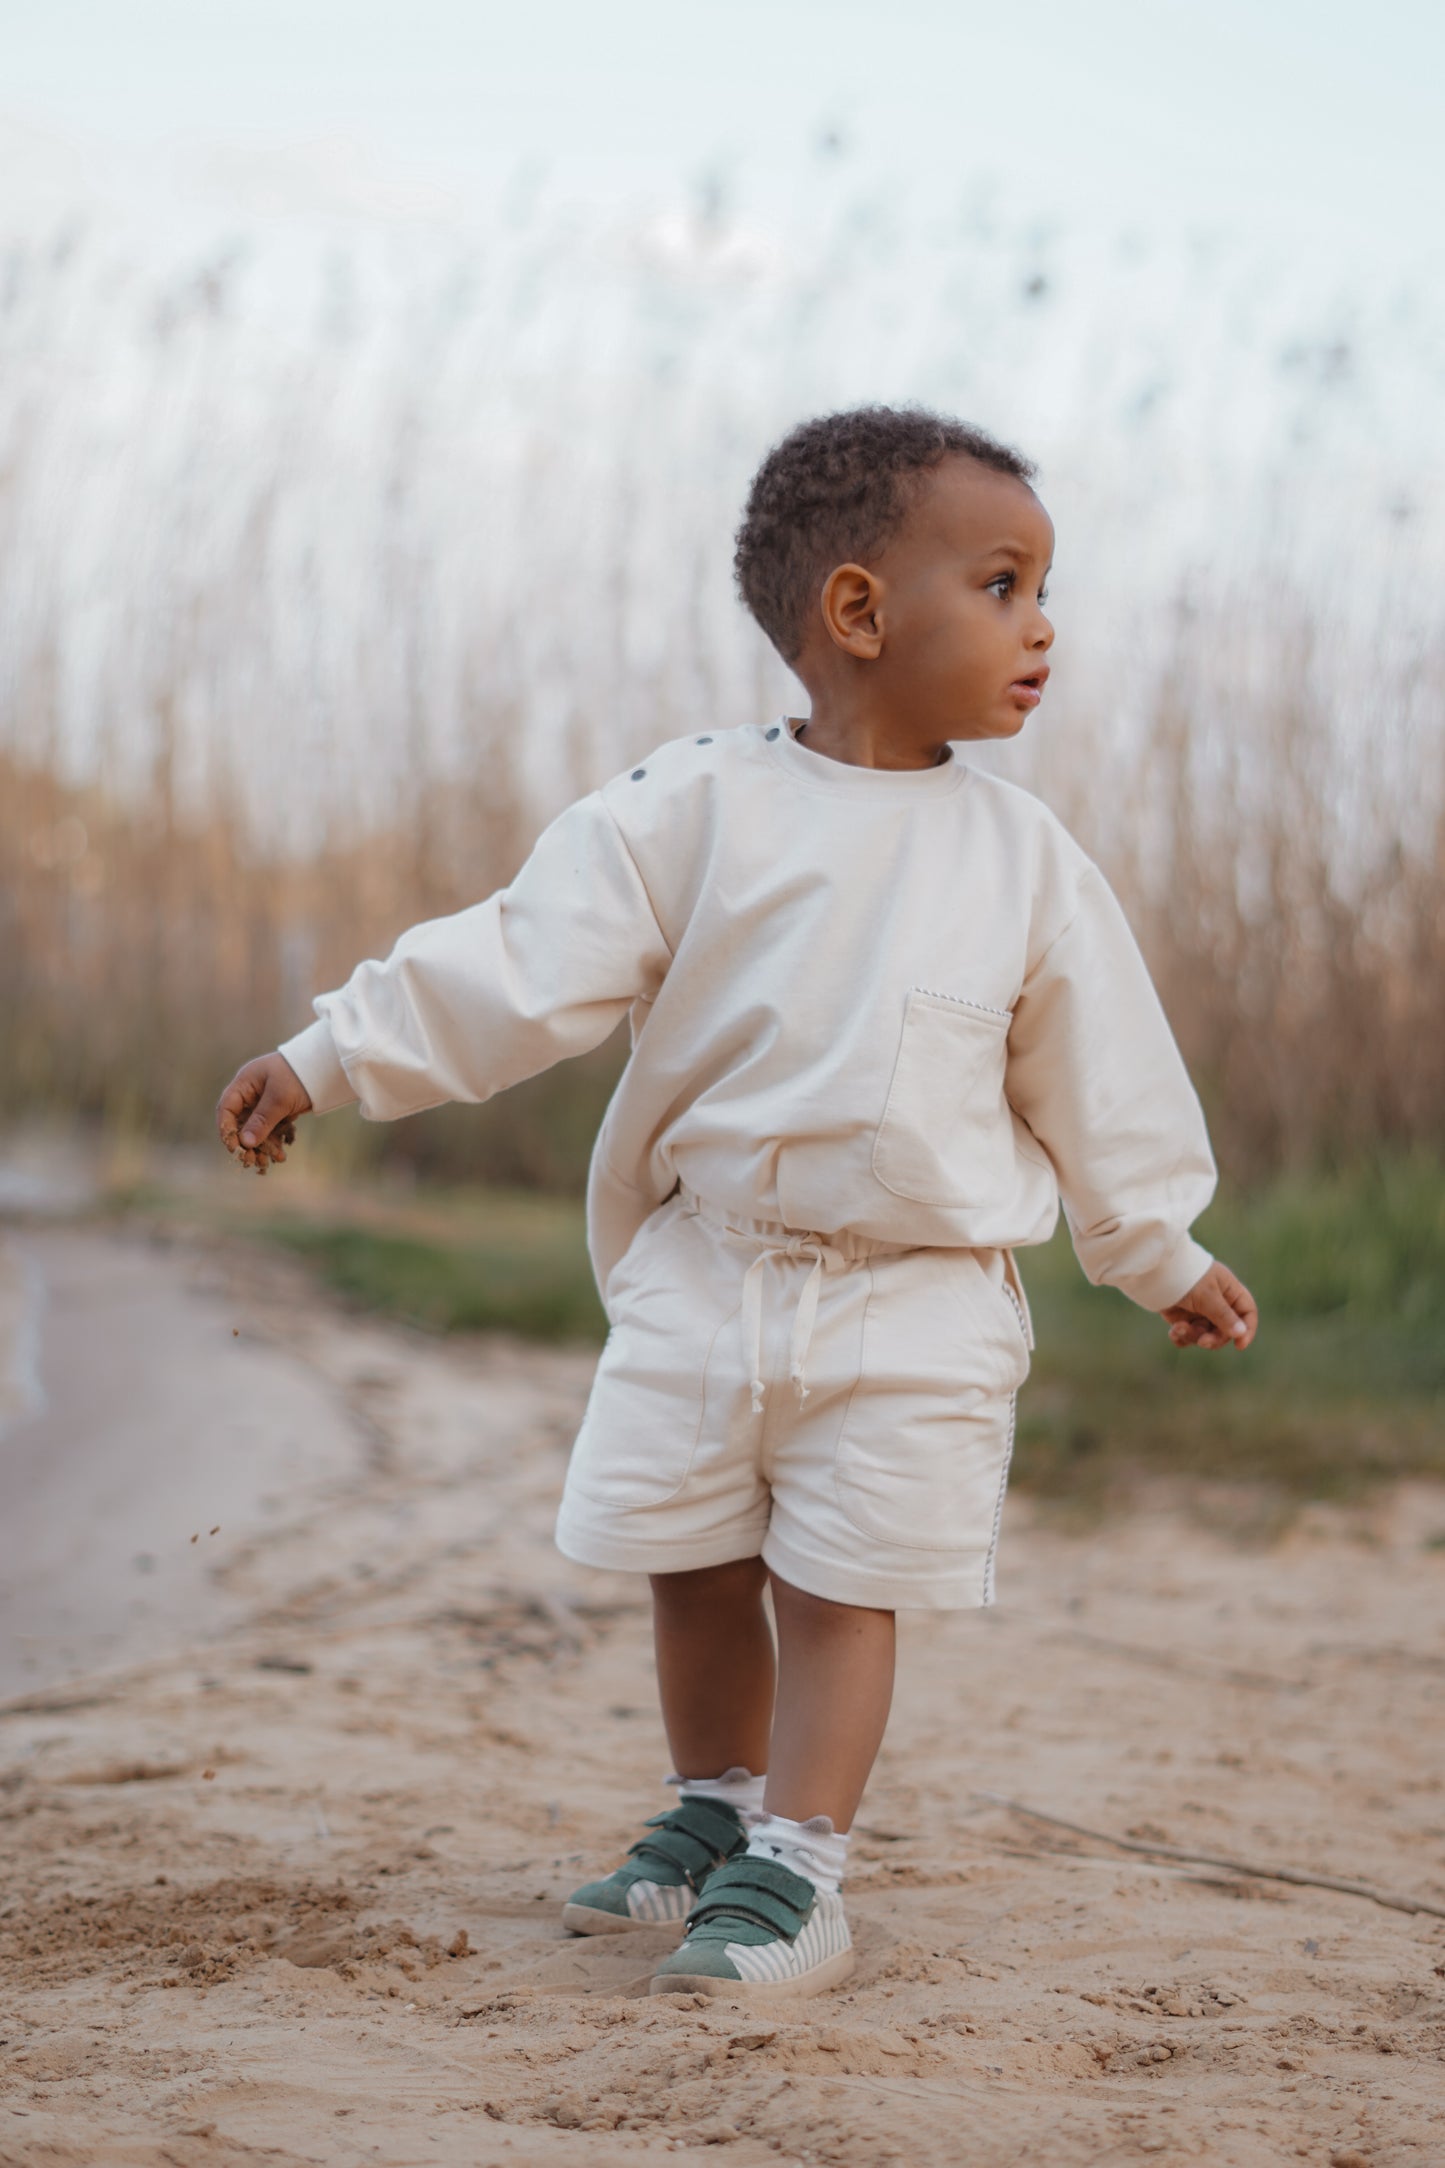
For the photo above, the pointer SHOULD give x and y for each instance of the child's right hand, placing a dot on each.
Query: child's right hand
(1218, 1311)
(255, 1112)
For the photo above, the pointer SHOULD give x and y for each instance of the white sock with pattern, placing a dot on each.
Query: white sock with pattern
(812, 1848)
(736, 1787)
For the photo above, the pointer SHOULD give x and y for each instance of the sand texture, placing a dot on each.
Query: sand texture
(283, 1887)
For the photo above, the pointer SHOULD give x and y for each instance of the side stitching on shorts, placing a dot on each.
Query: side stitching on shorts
(1017, 1307)
(1008, 1454)
(853, 1392)
(988, 1564)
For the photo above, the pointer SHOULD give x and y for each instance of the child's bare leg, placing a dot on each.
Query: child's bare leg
(835, 1681)
(715, 1667)
(835, 1684)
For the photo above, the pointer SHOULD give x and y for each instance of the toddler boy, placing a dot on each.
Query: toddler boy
(884, 1012)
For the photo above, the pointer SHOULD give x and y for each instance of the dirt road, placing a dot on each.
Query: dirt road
(286, 1889)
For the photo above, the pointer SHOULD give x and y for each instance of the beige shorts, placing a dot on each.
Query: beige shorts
(841, 1407)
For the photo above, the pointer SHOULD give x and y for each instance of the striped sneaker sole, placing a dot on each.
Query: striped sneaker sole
(590, 1920)
(828, 1972)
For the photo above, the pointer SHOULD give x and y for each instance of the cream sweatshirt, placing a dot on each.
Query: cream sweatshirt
(904, 1004)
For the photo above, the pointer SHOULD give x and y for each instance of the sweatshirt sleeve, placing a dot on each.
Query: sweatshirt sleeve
(466, 1005)
(1094, 1071)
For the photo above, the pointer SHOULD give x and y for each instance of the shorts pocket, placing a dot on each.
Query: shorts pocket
(649, 1399)
(925, 1442)
(993, 1314)
(946, 1137)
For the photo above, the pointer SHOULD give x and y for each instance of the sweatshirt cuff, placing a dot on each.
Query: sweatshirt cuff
(1170, 1282)
(312, 1054)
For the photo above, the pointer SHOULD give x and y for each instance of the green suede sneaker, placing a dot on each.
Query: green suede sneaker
(762, 1933)
(663, 1872)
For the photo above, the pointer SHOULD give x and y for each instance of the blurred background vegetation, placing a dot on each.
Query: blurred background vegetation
(1345, 1388)
(302, 638)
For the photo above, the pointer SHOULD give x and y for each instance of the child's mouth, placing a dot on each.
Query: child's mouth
(1029, 690)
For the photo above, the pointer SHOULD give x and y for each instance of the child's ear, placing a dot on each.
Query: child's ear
(853, 611)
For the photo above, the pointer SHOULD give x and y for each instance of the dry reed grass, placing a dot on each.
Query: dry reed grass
(143, 956)
(142, 949)
(300, 642)
(1299, 940)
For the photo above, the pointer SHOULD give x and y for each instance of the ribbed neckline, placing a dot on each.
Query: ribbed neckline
(818, 772)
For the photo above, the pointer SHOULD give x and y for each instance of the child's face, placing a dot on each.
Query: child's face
(953, 627)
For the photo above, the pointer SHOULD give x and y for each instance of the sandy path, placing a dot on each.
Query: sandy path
(289, 1893)
(137, 1418)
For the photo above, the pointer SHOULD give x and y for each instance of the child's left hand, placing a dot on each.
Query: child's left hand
(1218, 1311)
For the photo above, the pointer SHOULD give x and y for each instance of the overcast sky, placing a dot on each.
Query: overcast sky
(1313, 120)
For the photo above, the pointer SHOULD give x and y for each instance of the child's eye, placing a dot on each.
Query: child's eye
(1043, 596)
(1003, 585)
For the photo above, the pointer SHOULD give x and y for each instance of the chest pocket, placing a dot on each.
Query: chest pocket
(946, 1137)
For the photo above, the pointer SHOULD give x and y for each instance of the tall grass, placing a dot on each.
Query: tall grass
(1296, 914)
(310, 615)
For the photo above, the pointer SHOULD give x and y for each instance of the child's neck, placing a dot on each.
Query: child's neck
(865, 741)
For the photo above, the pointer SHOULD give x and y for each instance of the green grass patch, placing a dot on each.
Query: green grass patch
(458, 1259)
(1344, 1389)
(537, 1283)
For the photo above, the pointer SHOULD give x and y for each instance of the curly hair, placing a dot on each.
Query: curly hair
(837, 489)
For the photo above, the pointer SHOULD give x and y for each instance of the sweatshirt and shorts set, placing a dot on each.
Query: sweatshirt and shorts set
(881, 1022)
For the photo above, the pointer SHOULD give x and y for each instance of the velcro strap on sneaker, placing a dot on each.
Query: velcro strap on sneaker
(713, 1820)
(760, 1891)
(691, 1837)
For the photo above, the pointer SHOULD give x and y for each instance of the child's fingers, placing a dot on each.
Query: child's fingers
(1218, 1311)
(1220, 1322)
(272, 1108)
(235, 1103)
(256, 1113)
(271, 1151)
(1243, 1305)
